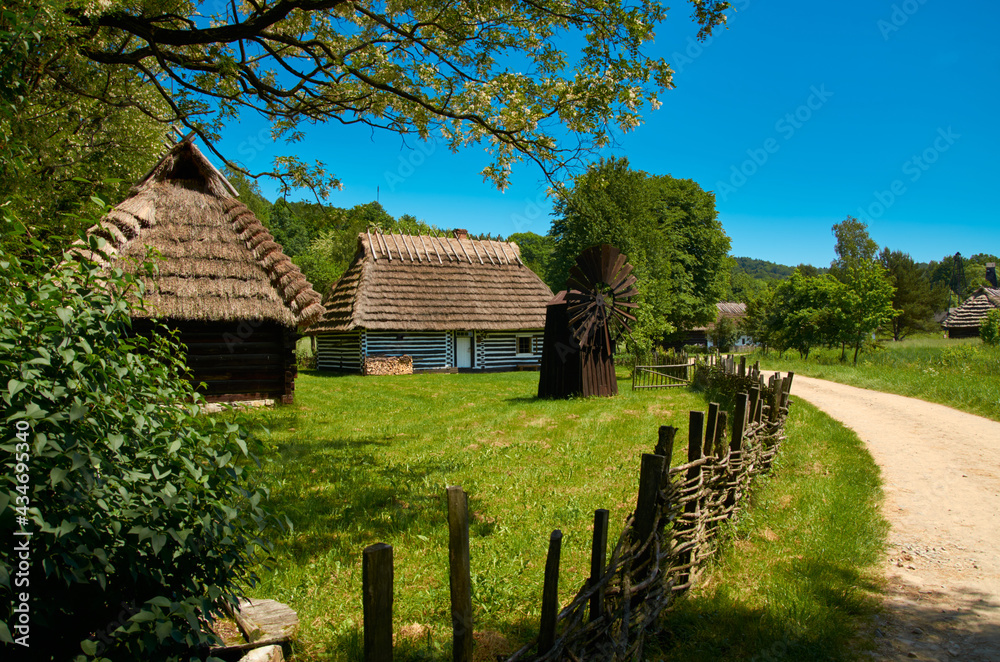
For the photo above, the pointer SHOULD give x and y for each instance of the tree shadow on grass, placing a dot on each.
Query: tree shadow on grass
(343, 494)
(810, 611)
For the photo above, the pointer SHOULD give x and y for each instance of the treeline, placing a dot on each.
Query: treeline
(864, 292)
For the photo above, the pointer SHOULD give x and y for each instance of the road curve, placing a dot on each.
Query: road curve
(941, 473)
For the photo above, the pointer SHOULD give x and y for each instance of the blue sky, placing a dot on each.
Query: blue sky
(796, 116)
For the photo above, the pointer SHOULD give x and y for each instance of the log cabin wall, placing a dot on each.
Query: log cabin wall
(248, 360)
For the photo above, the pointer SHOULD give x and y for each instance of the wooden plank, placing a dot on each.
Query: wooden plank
(598, 554)
(650, 472)
(460, 574)
(550, 595)
(266, 622)
(376, 587)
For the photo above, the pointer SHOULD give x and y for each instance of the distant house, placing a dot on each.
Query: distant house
(733, 310)
(451, 303)
(222, 283)
(963, 322)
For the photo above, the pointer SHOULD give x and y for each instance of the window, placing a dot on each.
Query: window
(524, 346)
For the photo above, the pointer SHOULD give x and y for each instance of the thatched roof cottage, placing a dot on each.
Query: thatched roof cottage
(733, 310)
(963, 322)
(451, 303)
(223, 283)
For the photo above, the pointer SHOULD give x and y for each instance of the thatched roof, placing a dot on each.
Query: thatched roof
(734, 310)
(220, 263)
(975, 308)
(421, 283)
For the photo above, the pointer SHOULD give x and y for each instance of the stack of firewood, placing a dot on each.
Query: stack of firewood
(389, 365)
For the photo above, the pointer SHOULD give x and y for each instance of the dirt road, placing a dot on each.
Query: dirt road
(941, 469)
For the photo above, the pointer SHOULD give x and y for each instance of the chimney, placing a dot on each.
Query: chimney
(991, 273)
(461, 234)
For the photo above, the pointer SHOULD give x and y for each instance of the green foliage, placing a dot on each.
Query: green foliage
(412, 67)
(142, 516)
(59, 146)
(724, 334)
(803, 312)
(854, 248)
(989, 328)
(960, 276)
(667, 227)
(914, 297)
(536, 253)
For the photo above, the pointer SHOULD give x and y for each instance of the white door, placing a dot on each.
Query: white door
(463, 352)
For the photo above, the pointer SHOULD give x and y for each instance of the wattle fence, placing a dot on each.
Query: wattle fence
(663, 545)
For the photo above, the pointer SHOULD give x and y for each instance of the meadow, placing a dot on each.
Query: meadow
(964, 374)
(362, 460)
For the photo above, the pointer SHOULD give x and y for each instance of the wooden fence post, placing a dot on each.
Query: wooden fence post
(550, 595)
(713, 417)
(598, 551)
(722, 423)
(665, 443)
(651, 472)
(743, 366)
(376, 589)
(460, 574)
(736, 443)
(696, 424)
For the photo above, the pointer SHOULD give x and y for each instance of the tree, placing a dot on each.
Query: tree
(415, 68)
(915, 298)
(724, 334)
(854, 247)
(989, 328)
(667, 227)
(536, 252)
(804, 312)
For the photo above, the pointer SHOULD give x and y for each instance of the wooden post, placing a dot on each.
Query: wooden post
(720, 434)
(736, 443)
(460, 574)
(713, 417)
(376, 589)
(550, 595)
(598, 551)
(696, 424)
(665, 443)
(649, 489)
(743, 366)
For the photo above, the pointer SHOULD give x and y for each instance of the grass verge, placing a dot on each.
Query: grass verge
(800, 571)
(964, 374)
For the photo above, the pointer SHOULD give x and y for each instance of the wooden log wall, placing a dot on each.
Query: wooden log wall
(246, 360)
(663, 545)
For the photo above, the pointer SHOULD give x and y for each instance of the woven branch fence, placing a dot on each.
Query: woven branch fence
(663, 546)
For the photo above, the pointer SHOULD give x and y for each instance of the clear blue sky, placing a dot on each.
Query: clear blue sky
(796, 116)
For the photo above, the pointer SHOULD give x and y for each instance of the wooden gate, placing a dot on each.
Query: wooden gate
(661, 376)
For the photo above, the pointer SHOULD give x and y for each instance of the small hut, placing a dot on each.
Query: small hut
(963, 322)
(449, 303)
(223, 283)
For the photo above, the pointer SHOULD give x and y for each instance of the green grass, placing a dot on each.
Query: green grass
(800, 571)
(361, 460)
(964, 374)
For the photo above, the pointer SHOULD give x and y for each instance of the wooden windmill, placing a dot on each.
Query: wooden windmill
(583, 324)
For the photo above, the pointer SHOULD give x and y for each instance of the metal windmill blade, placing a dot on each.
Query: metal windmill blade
(598, 295)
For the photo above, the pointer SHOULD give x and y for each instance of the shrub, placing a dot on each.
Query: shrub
(989, 328)
(141, 519)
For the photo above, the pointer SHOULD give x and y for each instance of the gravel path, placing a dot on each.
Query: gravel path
(941, 472)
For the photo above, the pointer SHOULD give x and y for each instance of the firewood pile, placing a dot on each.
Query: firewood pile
(389, 365)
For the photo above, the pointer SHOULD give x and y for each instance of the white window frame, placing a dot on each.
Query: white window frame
(517, 345)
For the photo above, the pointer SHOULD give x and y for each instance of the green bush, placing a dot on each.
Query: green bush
(141, 517)
(989, 328)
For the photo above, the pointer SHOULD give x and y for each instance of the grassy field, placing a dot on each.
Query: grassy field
(361, 460)
(964, 374)
(801, 569)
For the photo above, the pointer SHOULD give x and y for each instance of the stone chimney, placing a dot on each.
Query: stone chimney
(991, 273)
(461, 234)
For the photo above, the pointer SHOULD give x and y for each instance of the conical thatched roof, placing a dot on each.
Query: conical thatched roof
(420, 283)
(974, 309)
(220, 263)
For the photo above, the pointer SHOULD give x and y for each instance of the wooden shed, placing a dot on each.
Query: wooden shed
(223, 283)
(451, 303)
(963, 322)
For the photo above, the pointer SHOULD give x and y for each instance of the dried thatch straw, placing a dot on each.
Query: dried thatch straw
(220, 263)
(407, 283)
